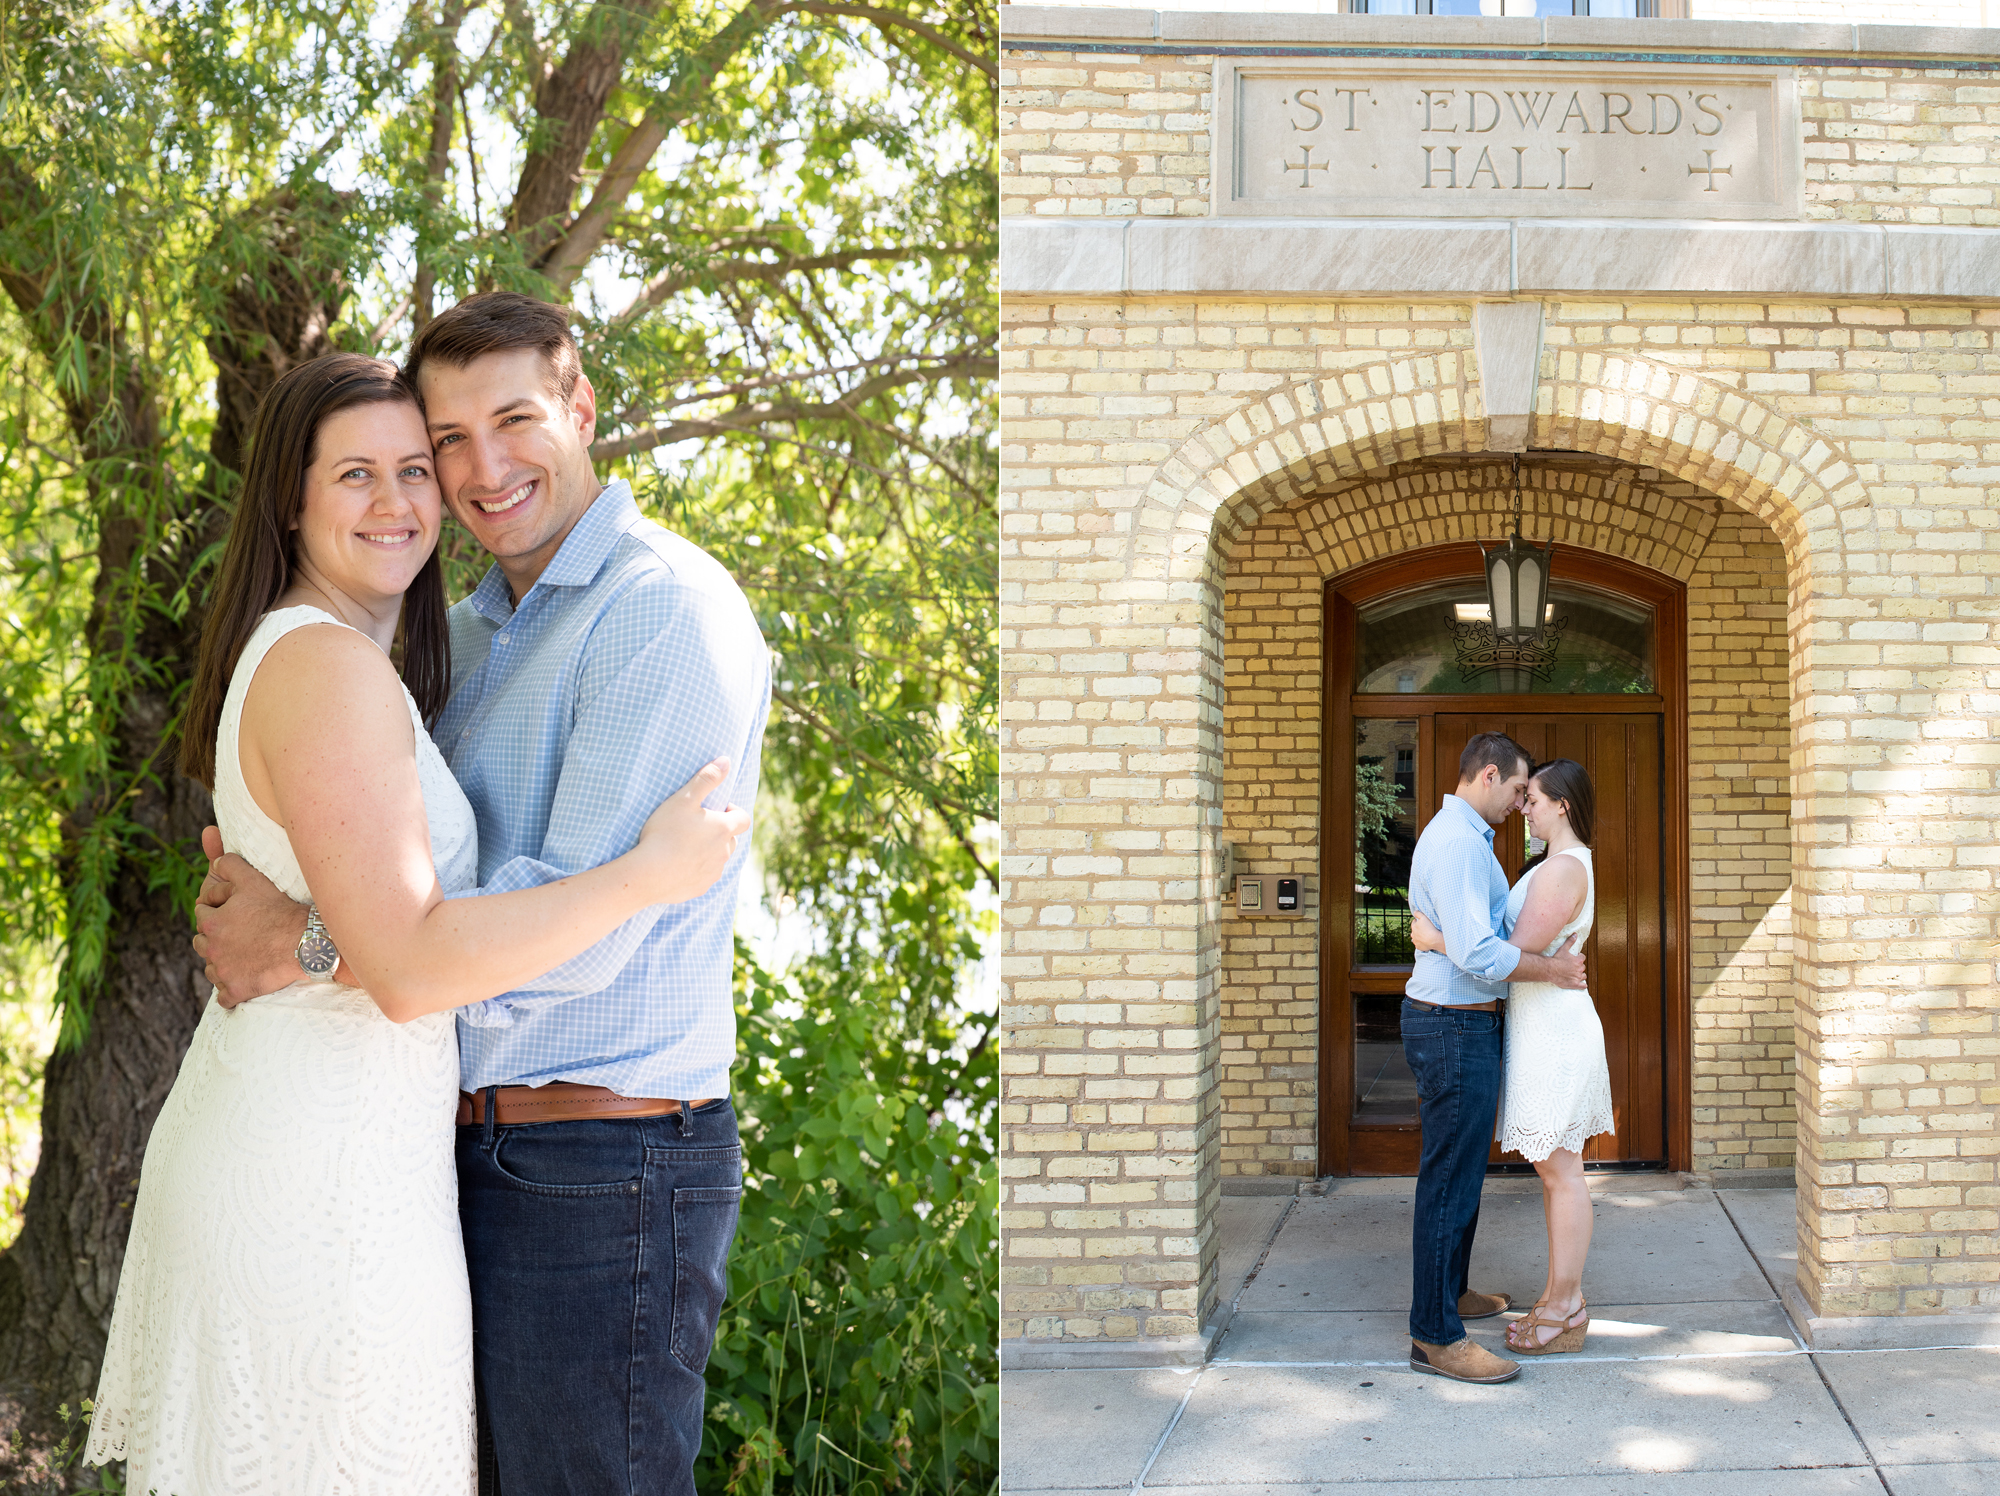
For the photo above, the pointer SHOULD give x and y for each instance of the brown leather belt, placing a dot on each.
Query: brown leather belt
(561, 1101)
(1491, 1006)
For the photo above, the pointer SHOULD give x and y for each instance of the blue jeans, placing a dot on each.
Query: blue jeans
(1455, 1057)
(598, 1252)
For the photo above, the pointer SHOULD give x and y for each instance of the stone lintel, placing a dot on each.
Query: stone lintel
(1650, 258)
(1028, 25)
(1351, 258)
(1431, 258)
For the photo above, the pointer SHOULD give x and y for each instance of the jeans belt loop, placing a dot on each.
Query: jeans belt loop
(687, 1121)
(492, 1116)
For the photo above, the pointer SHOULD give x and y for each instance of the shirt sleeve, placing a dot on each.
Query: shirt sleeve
(1461, 889)
(655, 703)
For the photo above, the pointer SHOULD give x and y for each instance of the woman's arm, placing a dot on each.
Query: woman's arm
(336, 767)
(1554, 899)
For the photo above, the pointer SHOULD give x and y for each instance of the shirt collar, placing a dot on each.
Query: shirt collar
(577, 561)
(1472, 817)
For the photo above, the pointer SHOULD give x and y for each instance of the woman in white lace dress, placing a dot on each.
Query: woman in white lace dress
(293, 1316)
(1557, 1091)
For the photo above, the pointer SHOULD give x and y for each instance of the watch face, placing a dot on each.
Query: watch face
(318, 956)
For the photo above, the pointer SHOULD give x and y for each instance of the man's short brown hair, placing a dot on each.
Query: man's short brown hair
(499, 322)
(1495, 749)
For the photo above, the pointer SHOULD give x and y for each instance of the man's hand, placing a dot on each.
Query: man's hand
(1565, 969)
(1424, 935)
(248, 931)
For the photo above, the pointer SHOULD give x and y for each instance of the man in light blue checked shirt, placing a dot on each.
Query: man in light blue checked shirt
(600, 664)
(1451, 1023)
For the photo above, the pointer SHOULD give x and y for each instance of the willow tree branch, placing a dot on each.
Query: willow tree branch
(742, 387)
(539, 66)
(569, 105)
(581, 239)
(991, 874)
(888, 20)
(672, 282)
(570, 245)
(834, 735)
(978, 364)
(437, 160)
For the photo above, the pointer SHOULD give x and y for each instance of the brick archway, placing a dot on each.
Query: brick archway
(1113, 802)
(1735, 691)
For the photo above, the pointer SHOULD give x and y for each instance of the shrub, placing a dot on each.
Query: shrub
(858, 1348)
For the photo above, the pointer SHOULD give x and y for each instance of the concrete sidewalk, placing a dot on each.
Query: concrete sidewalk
(1693, 1381)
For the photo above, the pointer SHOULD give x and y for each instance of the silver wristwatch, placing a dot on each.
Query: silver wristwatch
(316, 951)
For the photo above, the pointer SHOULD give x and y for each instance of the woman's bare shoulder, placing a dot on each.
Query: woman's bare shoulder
(319, 670)
(1560, 876)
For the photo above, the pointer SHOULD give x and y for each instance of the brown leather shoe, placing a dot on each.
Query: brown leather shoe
(1463, 1362)
(1473, 1305)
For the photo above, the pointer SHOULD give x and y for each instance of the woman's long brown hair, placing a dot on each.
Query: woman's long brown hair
(258, 559)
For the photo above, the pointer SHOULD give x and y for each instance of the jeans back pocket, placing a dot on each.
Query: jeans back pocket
(704, 1226)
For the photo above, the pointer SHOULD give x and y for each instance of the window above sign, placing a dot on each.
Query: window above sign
(1437, 642)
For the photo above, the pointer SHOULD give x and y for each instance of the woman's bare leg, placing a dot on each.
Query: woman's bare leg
(1566, 1208)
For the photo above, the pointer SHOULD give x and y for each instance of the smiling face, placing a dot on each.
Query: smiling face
(371, 512)
(512, 456)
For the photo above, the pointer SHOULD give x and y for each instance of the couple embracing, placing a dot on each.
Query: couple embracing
(443, 1195)
(1542, 1071)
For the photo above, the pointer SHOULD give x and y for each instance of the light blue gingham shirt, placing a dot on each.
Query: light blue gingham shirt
(633, 661)
(1457, 885)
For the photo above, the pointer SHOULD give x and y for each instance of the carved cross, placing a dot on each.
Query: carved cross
(1308, 166)
(1711, 169)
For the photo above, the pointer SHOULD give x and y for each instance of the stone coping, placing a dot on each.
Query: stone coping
(1033, 26)
(1304, 259)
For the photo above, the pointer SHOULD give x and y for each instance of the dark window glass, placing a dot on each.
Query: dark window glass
(1384, 1088)
(1596, 645)
(1385, 834)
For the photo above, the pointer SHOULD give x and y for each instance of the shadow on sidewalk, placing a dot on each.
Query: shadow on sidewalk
(1692, 1381)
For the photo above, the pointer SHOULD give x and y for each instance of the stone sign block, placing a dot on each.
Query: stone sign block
(1495, 139)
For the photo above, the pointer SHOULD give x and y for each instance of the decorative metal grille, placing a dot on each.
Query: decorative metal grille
(1479, 649)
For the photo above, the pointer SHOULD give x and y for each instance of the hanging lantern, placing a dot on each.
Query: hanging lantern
(1517, 582)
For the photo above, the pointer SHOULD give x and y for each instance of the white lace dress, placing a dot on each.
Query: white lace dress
(1557, 1088)
(293, 1317)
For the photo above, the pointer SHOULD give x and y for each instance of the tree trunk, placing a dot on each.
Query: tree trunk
(100, 1098)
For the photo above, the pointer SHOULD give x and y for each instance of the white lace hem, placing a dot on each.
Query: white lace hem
(1536, 1147)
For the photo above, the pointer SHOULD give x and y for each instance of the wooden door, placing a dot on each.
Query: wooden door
(1624, 953)
(1407, 735)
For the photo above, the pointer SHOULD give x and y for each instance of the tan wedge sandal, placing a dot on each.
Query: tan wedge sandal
(1570, 1338)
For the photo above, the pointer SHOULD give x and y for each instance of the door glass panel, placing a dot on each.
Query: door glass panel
(1438, 642)
(1385, 834)
(1384, 1088)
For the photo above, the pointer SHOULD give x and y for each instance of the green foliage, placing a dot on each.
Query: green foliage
(857, 1351)
(27, 1034)
(1376, 801)
(54, 1471)
(786, 309)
